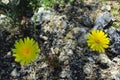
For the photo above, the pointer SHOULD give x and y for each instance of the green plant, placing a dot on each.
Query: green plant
(16, 9)
(115, 12)
(51, 3)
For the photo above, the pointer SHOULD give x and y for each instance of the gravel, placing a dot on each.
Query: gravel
(62, 39)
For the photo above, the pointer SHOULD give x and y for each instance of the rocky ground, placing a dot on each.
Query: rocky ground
(61, 34)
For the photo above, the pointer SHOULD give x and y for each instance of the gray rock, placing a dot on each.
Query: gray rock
(86, 21)
(80, 35)
(115, 48)
(64, 24)
(69, 35)
(103, 20)
(76, 30)
(104, 59)
(116, 75)
(42, 14)
(66, 62)
(14, 73)
(5, 1)
(2, 17)
(106, 7)
(114, 35)
(116, 59)
(63, 74)
(91, 59)
(43, 37)
(8, 55)
(70, 52)
(88, 69)
(63, 58)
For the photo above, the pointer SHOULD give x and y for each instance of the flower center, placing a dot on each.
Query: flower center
(97, 41)
(26, 51)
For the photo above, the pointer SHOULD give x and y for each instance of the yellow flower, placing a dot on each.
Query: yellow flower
(98, 41)
(25, 51)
